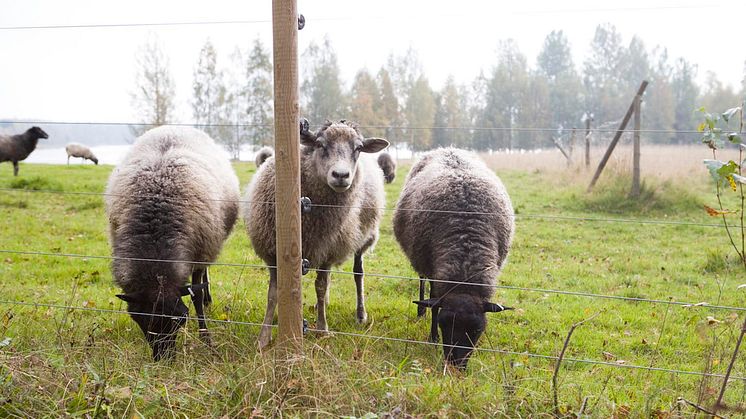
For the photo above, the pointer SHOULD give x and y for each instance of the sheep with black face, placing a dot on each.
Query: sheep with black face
(14, 148)
(346, 189)
(171, 204)
(454, 221)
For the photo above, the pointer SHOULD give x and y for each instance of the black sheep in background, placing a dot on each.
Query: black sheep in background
(15, 148)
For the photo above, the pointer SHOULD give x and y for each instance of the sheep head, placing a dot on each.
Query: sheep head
(159, 318)
(336, 148)
(37, 132)
(461, 319)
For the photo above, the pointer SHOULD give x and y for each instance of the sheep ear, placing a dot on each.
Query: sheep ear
(130, 298)
(429, 303)
(372, 145)
(189, 289)
(495, 308)
(306, 136)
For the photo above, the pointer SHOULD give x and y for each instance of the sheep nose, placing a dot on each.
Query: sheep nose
(340, 174)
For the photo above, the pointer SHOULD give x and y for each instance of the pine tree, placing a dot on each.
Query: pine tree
(208, 92)
(365, 103)
(451, 116)
(420, 114)
(257, 96)
(685, 94)
(321, 89)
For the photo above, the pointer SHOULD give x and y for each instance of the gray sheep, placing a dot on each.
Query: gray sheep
(263, 154)
(346, 189)
(450, 244)
(79, 150)
(173, 198)
(387, 164)
(14, 148)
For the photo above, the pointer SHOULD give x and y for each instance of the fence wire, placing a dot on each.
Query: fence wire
(672, 302)
(382, 338)
(316, 205)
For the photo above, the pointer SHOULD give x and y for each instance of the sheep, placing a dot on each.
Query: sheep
(14, 148)
(79, 150)
(388, 165)
(173, 198)
(450, 244)
(348, 186)
(263, 154)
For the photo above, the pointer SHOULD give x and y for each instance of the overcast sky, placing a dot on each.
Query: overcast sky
(86, 74)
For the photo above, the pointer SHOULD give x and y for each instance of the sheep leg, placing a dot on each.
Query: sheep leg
(206, 280)
(15, 168)
(265, 336)
(357, 268)
(322, 297)
(198, 301)
(421, 310)
(68, 159)
(434, 325)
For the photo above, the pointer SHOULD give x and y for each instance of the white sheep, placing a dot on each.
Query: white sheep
(79, 150)
(346, 188)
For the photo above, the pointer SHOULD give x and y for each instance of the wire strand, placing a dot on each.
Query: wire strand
(380, 338)
(516, 216)
(385, 276)
(134, 25)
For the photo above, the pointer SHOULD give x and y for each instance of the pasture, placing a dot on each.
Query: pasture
(94, 362)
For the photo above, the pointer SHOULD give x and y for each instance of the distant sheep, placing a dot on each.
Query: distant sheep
(263, 154)
(347, 186)
(79, 150)
(14, 148)
(465, 239)
(173, 198)
(387, 164)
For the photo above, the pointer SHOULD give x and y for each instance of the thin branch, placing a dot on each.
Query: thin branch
(730, 366)
(561, 356)
(700, 408)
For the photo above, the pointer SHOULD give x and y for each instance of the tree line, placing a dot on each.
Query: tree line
(499, 109)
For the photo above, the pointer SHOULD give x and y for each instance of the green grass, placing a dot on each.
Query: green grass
(56, 362)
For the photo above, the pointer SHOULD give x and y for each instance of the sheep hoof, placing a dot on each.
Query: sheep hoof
(434, 339)
(204, 335)
(361, 317)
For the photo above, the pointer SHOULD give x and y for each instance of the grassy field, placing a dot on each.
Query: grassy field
(56, 362)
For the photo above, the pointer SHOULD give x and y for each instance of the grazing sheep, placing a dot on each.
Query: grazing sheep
(173, 198)
(387, 164)
(15, 148)
(263, 154)
(449, 244)
(79, 150)
(348, 187)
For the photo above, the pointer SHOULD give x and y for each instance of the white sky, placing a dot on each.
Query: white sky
(87, 74)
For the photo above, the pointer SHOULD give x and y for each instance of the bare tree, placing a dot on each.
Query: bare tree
(153, 97)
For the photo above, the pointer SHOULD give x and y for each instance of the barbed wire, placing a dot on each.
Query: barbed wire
(390, 127)
(387, 276)
(453, 212)
(379, 338)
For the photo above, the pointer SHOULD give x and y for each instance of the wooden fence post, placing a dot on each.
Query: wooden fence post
(635, 191)
(617, 136)
(287, 179)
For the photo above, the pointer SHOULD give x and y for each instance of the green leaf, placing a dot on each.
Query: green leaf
(728, 169)
(734, 138)
(713, 166)
(727, 115)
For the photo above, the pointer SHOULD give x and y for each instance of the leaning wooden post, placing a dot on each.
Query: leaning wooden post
(588, 121)
(617, 136)
(635, 191)
(287, 179)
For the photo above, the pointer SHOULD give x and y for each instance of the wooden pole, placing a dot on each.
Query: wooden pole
(287, 178)
(588, 121)
(635, 191)
(617, 136)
